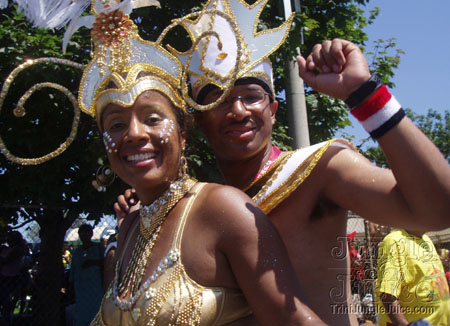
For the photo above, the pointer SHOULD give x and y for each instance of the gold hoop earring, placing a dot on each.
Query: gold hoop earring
(183, 166)
(104, 177)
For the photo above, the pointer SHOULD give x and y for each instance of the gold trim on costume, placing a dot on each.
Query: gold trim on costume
(227, 46)
(292, 182)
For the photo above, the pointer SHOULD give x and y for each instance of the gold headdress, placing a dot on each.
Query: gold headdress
(123, 66)
(227, 46)
(120, 52)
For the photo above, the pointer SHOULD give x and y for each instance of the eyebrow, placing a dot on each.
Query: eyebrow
(254, 88)
(109, 111)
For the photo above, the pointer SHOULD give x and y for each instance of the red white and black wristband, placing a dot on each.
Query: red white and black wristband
(380, 113)
(357, 97)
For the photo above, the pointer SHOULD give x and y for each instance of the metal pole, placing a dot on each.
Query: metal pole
(372, 272)
(295, 95)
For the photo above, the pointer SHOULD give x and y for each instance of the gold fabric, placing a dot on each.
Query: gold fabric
(178, 299)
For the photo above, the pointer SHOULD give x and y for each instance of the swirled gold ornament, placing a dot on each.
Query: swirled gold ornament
(19, 110)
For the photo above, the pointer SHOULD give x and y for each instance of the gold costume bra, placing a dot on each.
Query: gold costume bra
(175, 299)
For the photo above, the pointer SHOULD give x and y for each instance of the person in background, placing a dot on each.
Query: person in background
(11, 273)
(444, 254)
(66, 256)
(411, 284)
(86, 276)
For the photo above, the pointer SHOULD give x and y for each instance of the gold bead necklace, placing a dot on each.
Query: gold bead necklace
(151, 218)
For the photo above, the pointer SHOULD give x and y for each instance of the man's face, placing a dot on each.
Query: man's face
(236, 131)
(85, 235)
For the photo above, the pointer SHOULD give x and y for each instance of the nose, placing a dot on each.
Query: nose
(238, 111)
(136, 130)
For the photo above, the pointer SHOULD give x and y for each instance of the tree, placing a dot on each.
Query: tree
(433, 124)
(55, 193)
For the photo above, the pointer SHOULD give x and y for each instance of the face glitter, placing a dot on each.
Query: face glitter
(109, 144)
(166, 131)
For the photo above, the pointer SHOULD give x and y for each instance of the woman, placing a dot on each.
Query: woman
(200, 254)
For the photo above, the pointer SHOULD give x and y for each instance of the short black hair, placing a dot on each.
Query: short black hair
(85, 227)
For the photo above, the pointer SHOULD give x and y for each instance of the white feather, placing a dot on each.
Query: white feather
(59, 13)
(52, 13)
(3, 4)
(75, 24)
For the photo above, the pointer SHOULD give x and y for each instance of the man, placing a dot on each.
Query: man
(411, 283)
(342, 179)
(312, 219)
(307, 194)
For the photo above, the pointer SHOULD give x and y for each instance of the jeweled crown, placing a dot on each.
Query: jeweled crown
(123, 64)
(228, 45)
(122, 67)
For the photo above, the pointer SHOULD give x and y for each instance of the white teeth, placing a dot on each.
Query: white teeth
(140, 157)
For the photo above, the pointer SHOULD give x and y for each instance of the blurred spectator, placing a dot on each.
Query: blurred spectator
(86, 276)
(444, 254)
(356, 264)
(356, 273)
(66, 256)
(411, 284)
(11, 273)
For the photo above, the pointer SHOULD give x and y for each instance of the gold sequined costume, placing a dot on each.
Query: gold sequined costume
(175, 299)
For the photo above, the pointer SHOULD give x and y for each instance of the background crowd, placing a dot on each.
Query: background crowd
(18, 270)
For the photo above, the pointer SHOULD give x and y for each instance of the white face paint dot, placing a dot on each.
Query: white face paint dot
(166, 132)
(109, 144)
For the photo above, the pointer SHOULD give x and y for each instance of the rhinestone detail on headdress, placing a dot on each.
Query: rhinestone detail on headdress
(233, 36)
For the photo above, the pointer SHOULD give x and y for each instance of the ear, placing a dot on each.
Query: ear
(273, 110)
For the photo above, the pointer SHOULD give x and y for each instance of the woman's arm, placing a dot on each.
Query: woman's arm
(259, 260)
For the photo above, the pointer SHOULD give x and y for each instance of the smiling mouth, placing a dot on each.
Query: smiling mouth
(140, 157)
(239, 130)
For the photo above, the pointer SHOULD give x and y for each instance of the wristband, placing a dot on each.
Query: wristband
(358, 96)
(380, 113)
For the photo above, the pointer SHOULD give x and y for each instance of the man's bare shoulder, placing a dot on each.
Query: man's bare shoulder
(342, 180)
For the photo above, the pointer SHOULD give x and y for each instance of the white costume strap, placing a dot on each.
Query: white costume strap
(291, 173)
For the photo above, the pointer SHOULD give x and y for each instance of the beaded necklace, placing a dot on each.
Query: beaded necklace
(151, 219)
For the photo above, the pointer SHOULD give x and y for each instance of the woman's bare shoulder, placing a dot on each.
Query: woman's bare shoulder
(226, 206)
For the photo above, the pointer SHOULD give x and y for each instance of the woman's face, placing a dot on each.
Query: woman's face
(143, 141)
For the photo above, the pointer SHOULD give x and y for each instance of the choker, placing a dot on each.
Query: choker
(152, 215)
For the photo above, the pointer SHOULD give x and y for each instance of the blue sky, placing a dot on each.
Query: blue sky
(422, 30)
